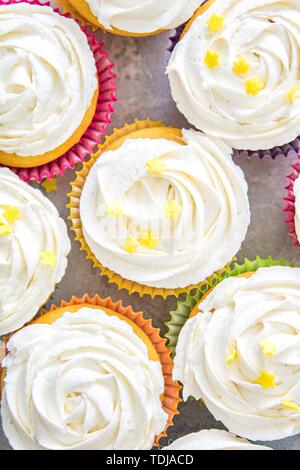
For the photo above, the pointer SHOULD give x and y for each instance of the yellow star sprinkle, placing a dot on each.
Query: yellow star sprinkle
(148, 239)
(215, 23)
(254, 86)
(241, 66)
(49, 185)
(294, 94)
(266, 379)
(290, 405)
(156, 166)
(11, 214)
(5, 230)
(172, 209)
(212, 59)
(48, 258)
(115, 210)
(268, 349)
(131, 245)
(232, 356)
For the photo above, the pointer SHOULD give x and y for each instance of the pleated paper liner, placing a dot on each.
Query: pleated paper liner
(290, 209)
(74, 207)
(291, 149)
(184, 309)
(101, 119)
(68, 8)
(170, 399)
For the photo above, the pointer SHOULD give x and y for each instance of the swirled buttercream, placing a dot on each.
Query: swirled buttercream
(165, 214)
(47, 79)
(143, 16)
(213, 439)
(236, 73)
(84, 382)
(34, 245)
(240, 354)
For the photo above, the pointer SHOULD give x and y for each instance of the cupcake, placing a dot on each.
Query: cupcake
(213, 439)
(143, 18)
(235, 72)
(34, 245)
(161, 207)
(49, 85)
(97, 375)
(239, 352)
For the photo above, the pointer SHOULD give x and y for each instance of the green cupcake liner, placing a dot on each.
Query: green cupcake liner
(184, 309)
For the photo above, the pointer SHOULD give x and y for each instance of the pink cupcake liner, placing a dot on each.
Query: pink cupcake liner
(100, 122)
(290, 209)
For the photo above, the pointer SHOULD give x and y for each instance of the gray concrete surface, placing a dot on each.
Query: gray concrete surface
(144, 92)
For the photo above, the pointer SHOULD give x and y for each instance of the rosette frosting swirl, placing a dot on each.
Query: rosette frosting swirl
(236, 73)
(240, 354)
(85, 382)
(165, 214)
(47, 79)
(213, 439)
(143, 16)
(34, 245)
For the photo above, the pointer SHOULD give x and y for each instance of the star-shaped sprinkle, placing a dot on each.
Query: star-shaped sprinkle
(114, 210)
(266, 379)
(156, 166)
(232, 356)
(49, 185)
(254, 86)
(241, 66)
(48, 258)
(148, 239)
(290, 405)
(215, 23)
(294, 94)
(131, 245)
(267, 348)
(11, 214)
(172, 209)
(212, 59)
(5, 230)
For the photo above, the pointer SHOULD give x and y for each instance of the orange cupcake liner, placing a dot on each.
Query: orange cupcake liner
(171, 396)
(74, 208)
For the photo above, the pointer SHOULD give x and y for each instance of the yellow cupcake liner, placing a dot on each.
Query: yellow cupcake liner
(188, 307)
(171, 396)
(149, 129)
(89, 19)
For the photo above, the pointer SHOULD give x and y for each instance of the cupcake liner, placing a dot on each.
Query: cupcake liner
(184, 309)
(291, 149)
(171, 398)
(74, 205)
(102, 117)
(290, 209)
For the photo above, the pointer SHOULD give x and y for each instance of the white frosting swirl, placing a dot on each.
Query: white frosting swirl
(267, 34)
(241, 354)
(25, 282)
(213, 439)
(208, 191)
(143, 16)
(47, 79)
(297, 206)
(83, 383)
